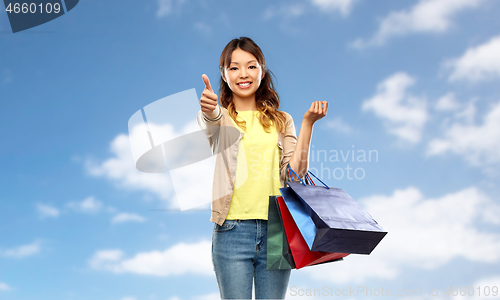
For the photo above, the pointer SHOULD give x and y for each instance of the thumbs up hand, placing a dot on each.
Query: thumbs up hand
(208, 100)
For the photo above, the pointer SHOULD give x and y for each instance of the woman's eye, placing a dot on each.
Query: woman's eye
(235, 68)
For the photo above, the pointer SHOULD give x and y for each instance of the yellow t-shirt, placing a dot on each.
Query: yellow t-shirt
(257, 170)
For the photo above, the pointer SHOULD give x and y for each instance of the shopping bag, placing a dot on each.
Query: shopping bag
(279, 256)
(299, 213)
(341, 223)
(302, 255)
(301, 217)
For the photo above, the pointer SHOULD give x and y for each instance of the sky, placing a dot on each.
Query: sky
(415, 83)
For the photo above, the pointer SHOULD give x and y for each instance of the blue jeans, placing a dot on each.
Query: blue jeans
(239, 250)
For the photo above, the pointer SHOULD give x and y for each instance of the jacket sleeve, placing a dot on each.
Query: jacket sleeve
(211, 127)
(289, 142)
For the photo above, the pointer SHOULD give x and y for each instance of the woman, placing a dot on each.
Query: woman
(254, 143)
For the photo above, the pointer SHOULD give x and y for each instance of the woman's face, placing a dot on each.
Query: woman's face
(244, 74)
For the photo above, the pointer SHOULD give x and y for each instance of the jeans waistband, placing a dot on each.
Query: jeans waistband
(250, 221)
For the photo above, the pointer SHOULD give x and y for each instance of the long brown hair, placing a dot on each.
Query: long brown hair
(266, 98)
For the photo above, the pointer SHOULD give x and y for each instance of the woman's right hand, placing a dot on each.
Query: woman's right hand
(208, 100)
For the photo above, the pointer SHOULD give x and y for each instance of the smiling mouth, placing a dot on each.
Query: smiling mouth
(246, 84)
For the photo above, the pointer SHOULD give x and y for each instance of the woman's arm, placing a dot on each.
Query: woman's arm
(208, 101)
(300, 158)
(210, 115)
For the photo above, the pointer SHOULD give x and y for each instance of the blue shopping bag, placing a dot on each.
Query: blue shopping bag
(330, 220)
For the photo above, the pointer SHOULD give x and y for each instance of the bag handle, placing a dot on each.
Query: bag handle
(290, 169)
(287, 176)
(319, 180)
(309, 179)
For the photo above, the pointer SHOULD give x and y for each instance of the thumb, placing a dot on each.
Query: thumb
(207, 82)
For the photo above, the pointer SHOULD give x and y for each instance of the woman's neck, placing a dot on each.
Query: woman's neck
(244, 104)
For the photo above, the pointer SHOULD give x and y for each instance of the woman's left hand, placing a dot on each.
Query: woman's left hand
(316, 111)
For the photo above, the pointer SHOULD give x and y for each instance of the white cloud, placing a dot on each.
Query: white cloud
(4, 287)
(447, 102)
(338, 124)
(167, 7)
(47, 211)
(342, 6)
(203, 27)
(88, 205)
(431, 232)
(477, 63)
(213, 296)
(479, 144)
(292, 10)
(21, 251)
(127, 217)
(468, 112)
(404, 115)
(103, 257)
(128, 298)
(427, 16)
(121, 169)
(288, 11)
(179, 259)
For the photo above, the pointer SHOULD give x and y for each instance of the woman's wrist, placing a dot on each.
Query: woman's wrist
(307, 123)
(214, 114)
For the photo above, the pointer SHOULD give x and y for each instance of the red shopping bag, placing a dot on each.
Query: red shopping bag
(301, 253)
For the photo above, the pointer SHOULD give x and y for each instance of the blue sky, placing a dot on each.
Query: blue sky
(416, 81)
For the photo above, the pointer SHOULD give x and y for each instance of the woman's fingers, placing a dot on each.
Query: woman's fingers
(209, 95)
(317, 107)
(207, 82)
(208, 108)
(318, 110)
(207, 104)
(314, 107)
(208, 100)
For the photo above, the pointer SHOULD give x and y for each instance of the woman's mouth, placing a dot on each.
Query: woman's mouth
(245, 85)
